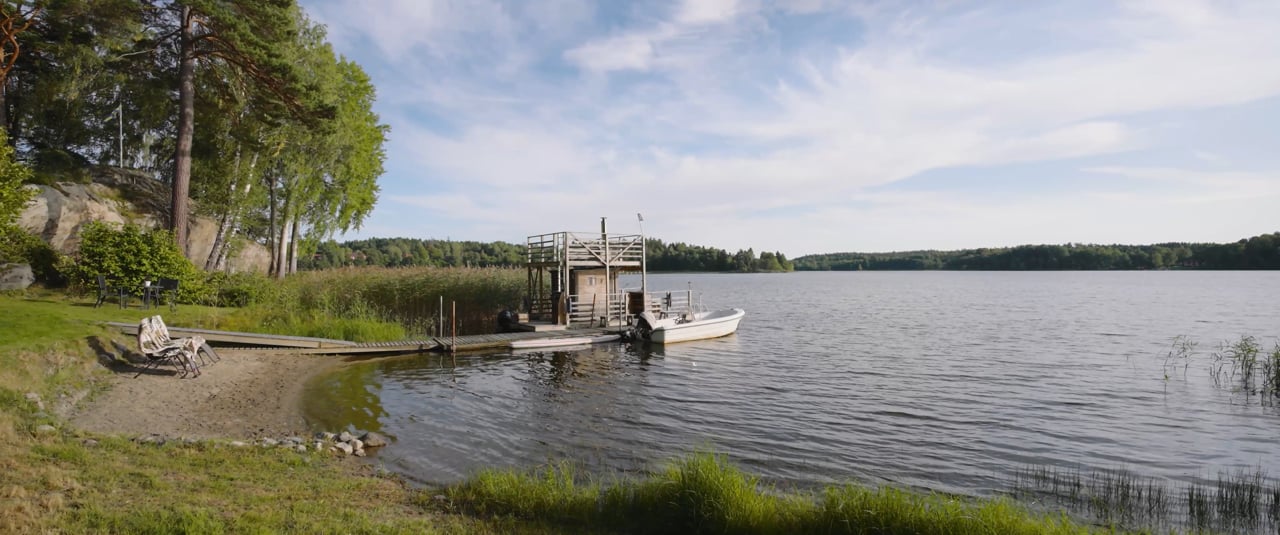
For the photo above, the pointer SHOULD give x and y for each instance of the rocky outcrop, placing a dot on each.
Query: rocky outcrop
(16, 276)
(58, 212)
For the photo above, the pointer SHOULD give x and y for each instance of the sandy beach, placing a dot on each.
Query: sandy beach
(247, 394)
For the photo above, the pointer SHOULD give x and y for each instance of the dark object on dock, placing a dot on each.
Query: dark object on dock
(507, 320)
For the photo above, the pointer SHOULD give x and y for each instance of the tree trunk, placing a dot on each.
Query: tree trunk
(282, 244)
(186, 130)
(271, 220)
(293, 248)
(224, 224)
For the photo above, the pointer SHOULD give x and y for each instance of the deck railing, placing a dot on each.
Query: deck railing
(578, 249)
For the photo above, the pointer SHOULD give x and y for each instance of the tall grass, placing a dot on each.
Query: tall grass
(377, 304)
(704, 493)
(1238, 501)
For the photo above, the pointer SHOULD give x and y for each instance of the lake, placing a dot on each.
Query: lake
(941, 380)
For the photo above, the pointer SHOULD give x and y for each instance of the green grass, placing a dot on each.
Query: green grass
(703, 493)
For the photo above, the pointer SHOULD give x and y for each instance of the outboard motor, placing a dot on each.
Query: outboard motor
(507, 320)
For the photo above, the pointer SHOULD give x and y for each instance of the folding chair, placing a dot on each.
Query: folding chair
(157, 351)
(197, 344)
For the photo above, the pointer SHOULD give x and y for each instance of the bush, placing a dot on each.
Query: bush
(21, 247)
(129, 255)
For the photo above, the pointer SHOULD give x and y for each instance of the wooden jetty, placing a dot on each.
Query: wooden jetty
(325, 346)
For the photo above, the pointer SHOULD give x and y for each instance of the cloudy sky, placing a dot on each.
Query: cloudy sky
(810, 126)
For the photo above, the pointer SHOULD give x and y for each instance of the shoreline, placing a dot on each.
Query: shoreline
(245, 395)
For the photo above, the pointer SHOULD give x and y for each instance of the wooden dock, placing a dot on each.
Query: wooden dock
(326, 346)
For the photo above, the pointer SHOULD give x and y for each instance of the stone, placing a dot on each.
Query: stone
(237, 444)
(46, 429)
(325, 435)
(300, 448)
(319, 445)
(359, 453)
(16, 276)
(269, 442)
(35, 399)
(345, 437)
(373, 440)
(293, 440)
(152, 438)
(356, 444)
(90, 443)
(345, 448)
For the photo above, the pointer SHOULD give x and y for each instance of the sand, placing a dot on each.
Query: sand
(246, 395)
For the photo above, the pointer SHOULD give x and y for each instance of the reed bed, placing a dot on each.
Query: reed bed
(704, 493)
(379, 304)
(1236, 502)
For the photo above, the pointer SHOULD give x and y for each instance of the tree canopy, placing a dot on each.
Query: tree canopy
(1258, 252)
(240, 105)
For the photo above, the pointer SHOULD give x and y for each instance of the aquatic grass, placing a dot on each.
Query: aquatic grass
(1236, 501)
(704, 493)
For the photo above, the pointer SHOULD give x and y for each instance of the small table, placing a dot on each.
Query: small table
(150, 295)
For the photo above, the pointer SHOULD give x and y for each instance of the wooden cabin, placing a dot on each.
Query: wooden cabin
(573, 277)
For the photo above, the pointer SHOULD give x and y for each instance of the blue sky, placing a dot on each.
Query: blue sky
(811, 126)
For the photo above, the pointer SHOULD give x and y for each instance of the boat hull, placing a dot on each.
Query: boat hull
(713, 325)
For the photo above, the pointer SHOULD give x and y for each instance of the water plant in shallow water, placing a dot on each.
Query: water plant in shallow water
(1241, 501)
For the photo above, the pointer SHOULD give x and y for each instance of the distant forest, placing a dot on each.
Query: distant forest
(392, 252)
(1258, 252)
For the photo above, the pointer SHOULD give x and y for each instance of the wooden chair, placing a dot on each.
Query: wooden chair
(104, 290)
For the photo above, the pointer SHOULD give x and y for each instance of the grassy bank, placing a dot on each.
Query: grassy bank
(703, 493)
(57, 479)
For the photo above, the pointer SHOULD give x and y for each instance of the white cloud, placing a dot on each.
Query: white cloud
(734, 129)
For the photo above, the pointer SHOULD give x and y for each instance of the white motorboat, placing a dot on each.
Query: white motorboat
(539, 343)
(671, 328)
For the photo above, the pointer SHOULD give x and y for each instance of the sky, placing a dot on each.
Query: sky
(817, 126)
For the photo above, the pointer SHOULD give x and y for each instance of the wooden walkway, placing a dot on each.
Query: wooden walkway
(326, 346)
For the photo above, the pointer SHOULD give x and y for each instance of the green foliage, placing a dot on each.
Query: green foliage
(128, 255)
(396, 252)
(13, 197)
(20, 246)
(703, 493)
(1258, 252)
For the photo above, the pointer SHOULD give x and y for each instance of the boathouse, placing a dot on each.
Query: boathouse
(573, 277)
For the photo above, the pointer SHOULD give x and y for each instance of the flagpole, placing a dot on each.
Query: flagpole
(644, 268)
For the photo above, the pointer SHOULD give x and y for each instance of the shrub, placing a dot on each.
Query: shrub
(129, 255)
(20, 246)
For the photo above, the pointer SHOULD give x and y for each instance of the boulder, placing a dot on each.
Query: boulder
(58, 212)
(345, 437)
(373, 440)
(345, 448)
(16, 276)
(46, 429)
(238, 444)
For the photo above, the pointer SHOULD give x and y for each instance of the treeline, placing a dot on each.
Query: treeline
(394, 252)
(241, 106)
(1258, 252)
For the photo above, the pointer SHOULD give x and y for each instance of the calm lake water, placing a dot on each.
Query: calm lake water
(942, 380)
